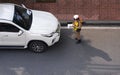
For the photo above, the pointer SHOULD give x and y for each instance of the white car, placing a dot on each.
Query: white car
(25, 28)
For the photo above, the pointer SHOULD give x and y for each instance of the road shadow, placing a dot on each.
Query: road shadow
(84, 49)
(90, 51)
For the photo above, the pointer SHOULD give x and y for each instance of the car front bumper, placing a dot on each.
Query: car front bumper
(55, 38)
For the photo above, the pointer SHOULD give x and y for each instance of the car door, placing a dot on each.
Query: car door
(10, 35)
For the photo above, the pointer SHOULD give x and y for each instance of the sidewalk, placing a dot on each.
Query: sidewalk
(95, 23)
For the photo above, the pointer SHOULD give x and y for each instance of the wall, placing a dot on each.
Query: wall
(87, 9)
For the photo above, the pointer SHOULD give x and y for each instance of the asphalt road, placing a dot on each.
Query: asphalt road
(98, 54)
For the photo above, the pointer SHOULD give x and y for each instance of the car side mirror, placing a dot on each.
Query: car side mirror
(20, 33)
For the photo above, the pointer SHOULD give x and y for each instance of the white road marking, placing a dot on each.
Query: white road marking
(20, 71)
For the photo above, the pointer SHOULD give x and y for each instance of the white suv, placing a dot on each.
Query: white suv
(25, 28)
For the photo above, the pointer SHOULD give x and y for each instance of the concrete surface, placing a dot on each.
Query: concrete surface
(98, 54)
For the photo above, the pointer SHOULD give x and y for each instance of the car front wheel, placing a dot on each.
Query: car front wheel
(37, 46)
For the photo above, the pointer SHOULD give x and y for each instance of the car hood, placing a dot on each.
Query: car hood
(43, 22)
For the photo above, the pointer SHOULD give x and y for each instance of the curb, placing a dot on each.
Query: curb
(95, 23)
(99, 28)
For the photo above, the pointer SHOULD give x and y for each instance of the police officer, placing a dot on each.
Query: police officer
(77, 24)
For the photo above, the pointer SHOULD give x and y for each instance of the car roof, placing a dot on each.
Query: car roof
(7, 11)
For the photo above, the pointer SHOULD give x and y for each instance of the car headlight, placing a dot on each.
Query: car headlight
(48, 35)
(58, 29)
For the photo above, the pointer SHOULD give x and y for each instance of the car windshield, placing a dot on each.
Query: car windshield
(22, 17)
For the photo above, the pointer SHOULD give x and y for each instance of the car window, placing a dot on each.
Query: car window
(4, 27)
(22, 17)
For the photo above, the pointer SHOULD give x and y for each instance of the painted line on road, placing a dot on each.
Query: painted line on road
(93, 27)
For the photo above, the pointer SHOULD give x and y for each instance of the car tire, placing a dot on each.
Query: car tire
(37, 46)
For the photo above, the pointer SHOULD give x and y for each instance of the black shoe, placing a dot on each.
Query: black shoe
(79, 41)
(76, 39)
